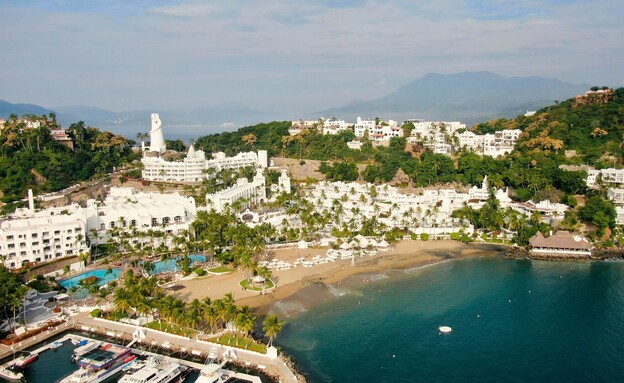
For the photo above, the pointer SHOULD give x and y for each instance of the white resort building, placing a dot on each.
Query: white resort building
(128, 209)
(193, 167)
(383, 131)
(253, 192)
(29, 236)
(606, 176)
(492, 144)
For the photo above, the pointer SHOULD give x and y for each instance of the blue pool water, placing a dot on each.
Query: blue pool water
(104, 276)
(171, 264)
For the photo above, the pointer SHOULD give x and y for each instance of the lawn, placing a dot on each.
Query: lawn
(239, 341)
(246, 284)
(220, 270)
(171, 328)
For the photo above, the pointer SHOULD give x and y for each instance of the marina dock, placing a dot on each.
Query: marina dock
(123, 334)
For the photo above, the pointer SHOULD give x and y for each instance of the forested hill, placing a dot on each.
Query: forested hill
(592, 125)
(31, 159)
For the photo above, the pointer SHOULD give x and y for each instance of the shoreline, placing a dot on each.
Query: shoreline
(317, 287)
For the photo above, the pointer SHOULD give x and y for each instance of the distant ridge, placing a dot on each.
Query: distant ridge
(6, 109)
(468, 96)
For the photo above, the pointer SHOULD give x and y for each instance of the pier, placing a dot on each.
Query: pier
(124, 334)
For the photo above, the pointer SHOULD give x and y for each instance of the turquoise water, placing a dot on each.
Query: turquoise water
(512, 320)
(104, 276)
(171, 264)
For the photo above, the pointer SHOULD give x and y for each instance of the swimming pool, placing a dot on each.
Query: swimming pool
(171, 264)
(104, 276)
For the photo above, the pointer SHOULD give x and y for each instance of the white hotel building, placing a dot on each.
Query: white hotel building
(192, 167)
(30, 236)
(382, 132)
(492, 144)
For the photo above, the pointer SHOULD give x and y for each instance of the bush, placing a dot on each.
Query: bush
(97, 313)
(200, 272)
(414, 236)
(455, 236)
(424, 236)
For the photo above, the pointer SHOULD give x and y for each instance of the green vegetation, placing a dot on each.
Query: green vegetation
(235, 340)
(31, 159)
(12, 293)
(248, 285)
(200, 272)
(141, 296)
(272, 326)
(339, 171)
(220, 269)
(97, 313)
(171, 328)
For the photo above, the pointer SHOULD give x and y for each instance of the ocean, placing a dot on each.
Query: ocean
(512, 321)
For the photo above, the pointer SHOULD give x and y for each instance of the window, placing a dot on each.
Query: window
(154, 221)
(112, 224)
(133, 223)
(9, 237)
(57, 232)
(102, 226)
(101, 214)
(22, 244)
(34, 235)
(177, 219)
(11, 246)
(35, 243)
(166, 220)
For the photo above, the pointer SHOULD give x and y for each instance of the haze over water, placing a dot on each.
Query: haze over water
(512, 320)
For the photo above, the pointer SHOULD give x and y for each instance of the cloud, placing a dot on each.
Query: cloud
(284, 55)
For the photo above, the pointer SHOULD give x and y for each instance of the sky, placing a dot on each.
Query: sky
(290, 56)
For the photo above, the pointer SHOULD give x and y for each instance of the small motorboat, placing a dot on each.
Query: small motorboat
(10, 375)
(25, 360)
(445, 329)
(55, 345)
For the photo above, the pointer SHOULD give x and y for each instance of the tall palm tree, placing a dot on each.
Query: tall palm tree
(122, 300)
(272, 326)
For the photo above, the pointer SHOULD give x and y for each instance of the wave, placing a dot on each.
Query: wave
(427, 265)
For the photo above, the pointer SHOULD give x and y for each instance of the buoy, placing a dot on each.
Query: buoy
(445, 329)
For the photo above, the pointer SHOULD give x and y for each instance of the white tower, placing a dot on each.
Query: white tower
(262, 158)
(157, 142)
(284, 182)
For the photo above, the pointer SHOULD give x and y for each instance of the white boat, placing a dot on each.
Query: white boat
(25, 360)
(10, 375)
(215, 373)
(101, 364)
(445, 329)
(84, 348)
(156, 370)
(212, 373)
(54, 345)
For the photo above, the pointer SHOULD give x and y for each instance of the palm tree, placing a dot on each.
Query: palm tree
(272, 326)
(122, 300)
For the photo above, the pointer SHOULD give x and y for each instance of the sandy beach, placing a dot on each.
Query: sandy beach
(404, 255)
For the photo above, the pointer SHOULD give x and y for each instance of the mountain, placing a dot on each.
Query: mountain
(204, 120)
(468, 97)
(6, 109)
